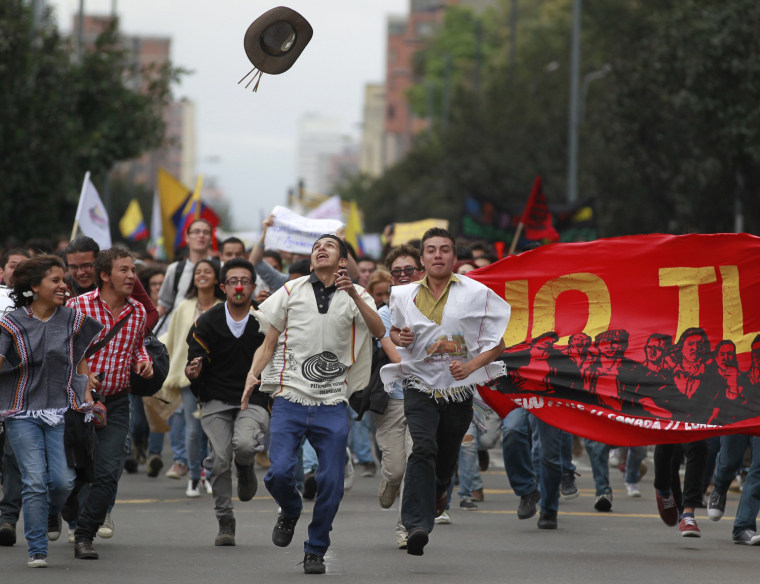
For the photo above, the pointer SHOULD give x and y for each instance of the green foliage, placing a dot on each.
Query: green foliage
(60, 117)
(669, 137)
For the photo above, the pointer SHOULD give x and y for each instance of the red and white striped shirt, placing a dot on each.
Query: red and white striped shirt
(125, 349)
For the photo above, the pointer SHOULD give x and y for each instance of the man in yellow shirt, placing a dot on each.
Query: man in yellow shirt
(449, 329)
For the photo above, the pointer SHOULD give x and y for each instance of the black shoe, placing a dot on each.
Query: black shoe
(716, 505)
(226, 535)
(309, 486)
(246, 481)
(313, 564)
(467, 504)
(54, 527)
(83, 550)
(527, 507)
(7, 534)
(441, 502)
(130, 465)
(283, 531)
(567, 487)
(603, 502)
(155, 464)
(547, 520)
(484, 460)
(416, 542)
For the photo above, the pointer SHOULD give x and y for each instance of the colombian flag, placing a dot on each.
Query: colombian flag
(132, 225)
(193, 208)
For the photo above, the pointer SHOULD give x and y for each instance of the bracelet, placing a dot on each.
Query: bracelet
(259, 244)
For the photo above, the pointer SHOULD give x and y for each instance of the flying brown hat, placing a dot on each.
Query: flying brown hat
(274, 41)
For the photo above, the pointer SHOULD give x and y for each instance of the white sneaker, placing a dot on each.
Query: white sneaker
(72, 539)
(348, 480)
(193, 488)
(632, 490)
(207, 485)
(401, 540)
(443, 519)
(106, 530)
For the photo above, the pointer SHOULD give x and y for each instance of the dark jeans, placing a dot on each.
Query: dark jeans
(437, 428)
(10, 505)
(109, 461)
(326, 428)
(667, 461)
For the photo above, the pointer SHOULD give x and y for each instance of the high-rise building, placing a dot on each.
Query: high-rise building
(320, 141)
(371, 154)
(407, 35)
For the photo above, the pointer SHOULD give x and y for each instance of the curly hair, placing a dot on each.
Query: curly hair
(30, 273)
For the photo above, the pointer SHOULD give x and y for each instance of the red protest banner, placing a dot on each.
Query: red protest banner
(537, 218)
(634, 340)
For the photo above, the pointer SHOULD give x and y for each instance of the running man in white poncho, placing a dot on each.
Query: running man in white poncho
(449, 329)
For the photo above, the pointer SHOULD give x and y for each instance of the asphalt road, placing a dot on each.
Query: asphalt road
(162, 536)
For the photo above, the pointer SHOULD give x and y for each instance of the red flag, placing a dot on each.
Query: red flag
(638, 340)
(537, 218)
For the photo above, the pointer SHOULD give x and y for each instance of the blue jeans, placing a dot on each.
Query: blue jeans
(633, 463)
(516, 442)
(599, 455)
(361, 437)
(194, 435)
(730, 459)
(469, 465)
(310, 460)
(10, 505)
(568, 468)
(551, 465)
(109, 462)
(326, 428)
(177, 436)
(140, 430)
(46, 477)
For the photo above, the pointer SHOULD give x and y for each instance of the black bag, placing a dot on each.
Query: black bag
(373, 397)
(160, 357)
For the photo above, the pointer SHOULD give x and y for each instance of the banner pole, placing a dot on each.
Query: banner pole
(74, 230)
(518, 232)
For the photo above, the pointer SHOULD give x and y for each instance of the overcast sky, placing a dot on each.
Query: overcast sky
(253, 135)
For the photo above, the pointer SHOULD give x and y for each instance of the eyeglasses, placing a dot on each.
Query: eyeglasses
(407, 270)
(199, 232)
(241, 281)
(76, 268)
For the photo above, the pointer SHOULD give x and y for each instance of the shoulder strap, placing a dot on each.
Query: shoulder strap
(178, 275)
(109, 335)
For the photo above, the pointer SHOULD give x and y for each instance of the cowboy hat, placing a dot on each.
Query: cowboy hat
(275, 39)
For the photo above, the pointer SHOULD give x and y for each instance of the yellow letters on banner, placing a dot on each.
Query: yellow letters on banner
(688, 281)
(599, 305)
(733, 314)
(516, 293)
(545, 304)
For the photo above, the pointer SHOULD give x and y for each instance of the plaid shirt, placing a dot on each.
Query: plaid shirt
(126, 349)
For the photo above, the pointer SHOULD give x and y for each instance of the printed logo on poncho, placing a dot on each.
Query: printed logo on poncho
(323, 367)
(446, 347)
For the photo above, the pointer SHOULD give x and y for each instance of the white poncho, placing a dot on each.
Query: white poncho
(474, 320)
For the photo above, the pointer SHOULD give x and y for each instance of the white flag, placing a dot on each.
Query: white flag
(92, 216)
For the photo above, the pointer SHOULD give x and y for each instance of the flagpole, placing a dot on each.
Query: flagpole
(518, 233)
(74, 231)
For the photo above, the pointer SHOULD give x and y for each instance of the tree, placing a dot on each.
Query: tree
(60, 117)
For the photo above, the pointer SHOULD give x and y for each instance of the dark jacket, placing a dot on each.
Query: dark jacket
(226, 358)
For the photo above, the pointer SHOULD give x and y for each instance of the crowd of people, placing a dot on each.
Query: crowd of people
(317, 368)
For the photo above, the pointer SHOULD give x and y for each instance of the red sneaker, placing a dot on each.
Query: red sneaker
(688, 527)
(667, 508)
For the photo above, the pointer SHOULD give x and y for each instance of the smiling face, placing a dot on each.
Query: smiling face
(438, 257)
(404, 270)
(204, 276)
(82, 268)
(326, 255)
(52, 289)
